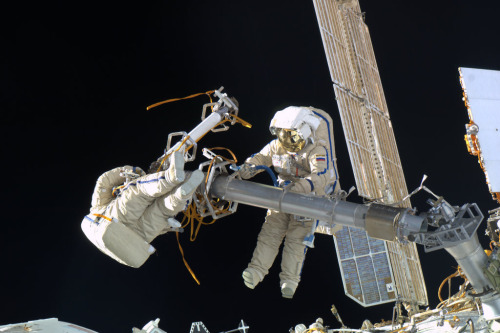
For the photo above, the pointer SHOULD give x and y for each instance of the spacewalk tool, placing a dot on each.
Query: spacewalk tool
(125, 245)
(223, 111)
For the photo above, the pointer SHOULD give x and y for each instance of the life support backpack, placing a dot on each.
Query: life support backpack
(324, 136)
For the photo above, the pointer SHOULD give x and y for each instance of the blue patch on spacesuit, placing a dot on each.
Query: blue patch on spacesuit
(331, 150)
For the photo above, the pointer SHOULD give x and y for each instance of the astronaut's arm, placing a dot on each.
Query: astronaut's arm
(264, 157)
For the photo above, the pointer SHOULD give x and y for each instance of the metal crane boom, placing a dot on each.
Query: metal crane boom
(455, 228)
(378, 220)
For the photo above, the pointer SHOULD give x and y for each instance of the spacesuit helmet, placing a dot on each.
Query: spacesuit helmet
(294, 126)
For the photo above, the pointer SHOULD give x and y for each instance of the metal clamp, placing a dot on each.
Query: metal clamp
(224, 106)
(204, 206)
(189, 141)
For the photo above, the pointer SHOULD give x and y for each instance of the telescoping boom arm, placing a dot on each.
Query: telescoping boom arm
(223, 110)
(455, 227)
(378, 220)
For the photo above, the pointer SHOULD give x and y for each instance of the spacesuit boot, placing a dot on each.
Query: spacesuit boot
(251, 278)
(288, 289)
(177, 201)
(176, 172)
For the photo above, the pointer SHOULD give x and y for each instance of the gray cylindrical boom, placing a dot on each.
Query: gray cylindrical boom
(379, 221)
(275, 198)
(324, 209)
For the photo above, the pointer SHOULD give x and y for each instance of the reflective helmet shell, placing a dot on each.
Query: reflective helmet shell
(291, 140)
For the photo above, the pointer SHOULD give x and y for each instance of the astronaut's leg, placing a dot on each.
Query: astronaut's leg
(294, 252)
(140, 193)
(157, 184)
(268, 244)
(154, 220)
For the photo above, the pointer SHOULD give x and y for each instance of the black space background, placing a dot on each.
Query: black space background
(76, 78)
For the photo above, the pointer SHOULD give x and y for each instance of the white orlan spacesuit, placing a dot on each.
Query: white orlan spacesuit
(123, 226)
(304, 157)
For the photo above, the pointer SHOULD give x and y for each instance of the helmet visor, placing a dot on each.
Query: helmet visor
(291, 140)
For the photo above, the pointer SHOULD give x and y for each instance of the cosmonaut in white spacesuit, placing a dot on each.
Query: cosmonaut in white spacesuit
(304, 157)
(124, 223)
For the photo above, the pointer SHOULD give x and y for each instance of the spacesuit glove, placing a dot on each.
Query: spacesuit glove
(295, 186)
(130, 173)
(139, 171)
(301, 186)
(247, 170)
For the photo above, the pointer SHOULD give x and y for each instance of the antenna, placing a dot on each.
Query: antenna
(242, 328)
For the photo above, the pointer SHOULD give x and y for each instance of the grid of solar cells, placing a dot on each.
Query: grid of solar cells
(376, 245)
(359, 240)
(351, 279)
(343, 241)
(368, 279)
(383, 272)
(364, 266)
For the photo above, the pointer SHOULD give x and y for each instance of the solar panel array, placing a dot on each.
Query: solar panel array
(369, 135)
(481, 89)
(365, 266)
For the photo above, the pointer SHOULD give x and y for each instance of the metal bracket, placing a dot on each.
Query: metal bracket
(225, 106)
(204, 206)
(459, 230)
(187, 156)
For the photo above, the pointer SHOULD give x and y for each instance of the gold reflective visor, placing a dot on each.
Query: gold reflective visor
(291, 140)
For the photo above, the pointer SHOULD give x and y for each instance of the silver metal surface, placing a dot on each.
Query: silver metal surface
(491, 306)
(274, 198)
(471, 258)
(381, 220)
(482, 96)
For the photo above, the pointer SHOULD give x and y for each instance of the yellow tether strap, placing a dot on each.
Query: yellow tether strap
(457, 273)
(166, 156)
(208, 93)
(104, 217)
(184, 259)
(190, 214)
(181, 98)
(242, 122)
